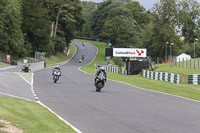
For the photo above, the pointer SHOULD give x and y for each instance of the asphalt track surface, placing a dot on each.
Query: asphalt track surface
(119, 108)
(12, 85)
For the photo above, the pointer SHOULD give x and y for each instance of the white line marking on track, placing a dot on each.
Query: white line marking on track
(15, 96)
(37, 99)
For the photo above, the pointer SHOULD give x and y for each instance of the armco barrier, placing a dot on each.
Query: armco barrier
(34, 66)
(111, 68)
(194, 79)
(169, 77)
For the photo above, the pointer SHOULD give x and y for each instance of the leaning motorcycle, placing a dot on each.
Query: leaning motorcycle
(100, 82)
(56, 76)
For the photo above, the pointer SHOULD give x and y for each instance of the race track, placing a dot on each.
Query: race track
(119, 108)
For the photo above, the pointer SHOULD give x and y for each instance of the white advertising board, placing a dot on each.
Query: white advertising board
(129, 52)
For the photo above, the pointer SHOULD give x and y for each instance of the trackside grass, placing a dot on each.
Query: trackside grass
(60, 57)
(188, 91)
(1, 63)
(179, 70)
(31, 117)
(26, 76)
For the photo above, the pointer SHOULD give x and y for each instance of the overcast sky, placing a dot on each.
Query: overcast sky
(148, 4)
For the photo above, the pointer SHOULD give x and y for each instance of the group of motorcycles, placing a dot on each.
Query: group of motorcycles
(81, 58)
(99, 82)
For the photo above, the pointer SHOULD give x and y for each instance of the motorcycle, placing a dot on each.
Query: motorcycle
(56, 76)
(80, 60)
(82, 57)
(100, 82)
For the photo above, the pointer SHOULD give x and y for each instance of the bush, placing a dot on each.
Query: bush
(118, 61)
(59, 44)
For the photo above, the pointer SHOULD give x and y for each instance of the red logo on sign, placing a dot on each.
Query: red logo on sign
(140, 52)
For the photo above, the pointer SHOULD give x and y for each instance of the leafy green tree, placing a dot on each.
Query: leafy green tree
(121, 32)
(138, 12)
(67, 18)
(189, 22)
(88, 8)
(11, 37)
(36, 25)
(99, 16)
(162, 29)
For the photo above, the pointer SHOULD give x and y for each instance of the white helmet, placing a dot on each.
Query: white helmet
(102, 68)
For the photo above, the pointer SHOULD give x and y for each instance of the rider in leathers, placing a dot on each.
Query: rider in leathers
(98, 72)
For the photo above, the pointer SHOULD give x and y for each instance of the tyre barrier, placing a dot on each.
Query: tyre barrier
(194, 79)
(164, 76)
(111, 68)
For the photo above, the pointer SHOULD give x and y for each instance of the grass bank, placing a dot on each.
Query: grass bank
(31, 117)
(60, 57)
(189, 91)
(1, 63)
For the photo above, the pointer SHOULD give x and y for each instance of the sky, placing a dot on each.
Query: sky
(148, 4)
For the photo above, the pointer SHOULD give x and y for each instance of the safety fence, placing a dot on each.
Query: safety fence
(194, 79)
(164, 76)
(111, 68)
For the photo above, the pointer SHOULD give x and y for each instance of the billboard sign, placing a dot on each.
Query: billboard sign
(129, 52)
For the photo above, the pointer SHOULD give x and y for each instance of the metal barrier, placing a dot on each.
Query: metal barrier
(111, 68)
(124, 71)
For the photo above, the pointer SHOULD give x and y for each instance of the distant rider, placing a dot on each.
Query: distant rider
(102, 69)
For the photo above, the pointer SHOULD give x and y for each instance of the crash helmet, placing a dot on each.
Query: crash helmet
(102, 68)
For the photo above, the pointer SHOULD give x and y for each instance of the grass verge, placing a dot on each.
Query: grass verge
(1, 63)
(27, 76)
(31, 117)
(188, 91)
(60, 57)
(2, 125)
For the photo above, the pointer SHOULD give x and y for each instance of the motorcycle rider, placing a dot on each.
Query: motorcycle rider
(57, 68)
(102, 69)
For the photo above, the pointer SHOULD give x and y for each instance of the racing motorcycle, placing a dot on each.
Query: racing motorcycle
(56, 75)
(80, 59)
(100, 82)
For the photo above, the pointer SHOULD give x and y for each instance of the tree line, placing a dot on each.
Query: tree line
(47, 26)
(128, 24)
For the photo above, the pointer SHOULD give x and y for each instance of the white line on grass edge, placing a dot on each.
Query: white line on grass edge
(78, 131)
(6, 94)
(139, 87)
(25, 79)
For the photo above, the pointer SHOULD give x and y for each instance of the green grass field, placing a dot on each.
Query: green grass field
(2, 125)
(31, 117)
(1, 63)
(185, 90)
(181, 69)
